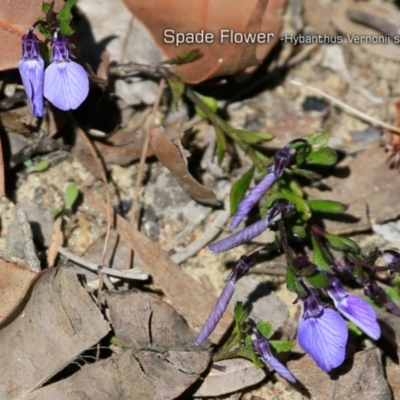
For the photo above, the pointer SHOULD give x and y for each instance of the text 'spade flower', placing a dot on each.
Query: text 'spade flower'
(322, 333)
(31, 68)
(354, 308)
(262, 347)
(66, 83)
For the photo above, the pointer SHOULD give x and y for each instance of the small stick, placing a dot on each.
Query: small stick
(32, 260)
(348, 108)
(99, 268)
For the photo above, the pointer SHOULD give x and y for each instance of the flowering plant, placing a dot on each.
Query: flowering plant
(64, 82)
(316, 280)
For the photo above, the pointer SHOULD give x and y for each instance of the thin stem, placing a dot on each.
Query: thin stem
(285, 245)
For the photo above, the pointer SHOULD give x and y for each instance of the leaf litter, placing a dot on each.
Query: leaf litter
(155, 344)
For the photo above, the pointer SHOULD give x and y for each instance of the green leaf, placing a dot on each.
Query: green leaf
(354, 328)
(319, 255)
(250, 354)
(281, 346)
(116, 342)
(317, 280)
(57, 212)
(265, 328)
(184, 57)
(42, 166)
(325, 156)
(294, 285)
(209, 102)
(177, 89)
(318, 140)
(239, 313)
(46, 7)
(306, 173)
(251, 137)
(301, 205)
(222, 144)
(65, 16)
(393, 293)
(299, 230)
(71, 195)
(340, 243)
(296, 188)
(327, 206)
(239, 189)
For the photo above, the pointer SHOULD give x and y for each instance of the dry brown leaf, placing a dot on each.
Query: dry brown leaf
(170, 156)
(188, 296)
(221, 57)
(14, 282)
(16, 17)
(370, 191)
(235, 374)
(58, 321)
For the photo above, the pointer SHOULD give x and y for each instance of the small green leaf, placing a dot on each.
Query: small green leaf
(250, 354)
(239, 313)
(177, 88)
(318, 140)
(239, 189)
(354, 328)
(46, 7)
(116, 342)
(281, 346)
(57, 212)
(65, 16)
(294, 285)
(251, 137)
(71, 195)
(222, 144)
(325, 156)
(306, 173)
(296, 188)
(317, 280)
(327, 206)
(393, 293)
(341, 243)
(319, 255)
(42, 166)
(301, 205)
(209, 102)
(265, 328)
(184, 57)
(299, 231)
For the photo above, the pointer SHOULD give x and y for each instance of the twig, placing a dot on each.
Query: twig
(32, 260)
(349, 109)
(139, 176)
(2, 170)
(99, 268)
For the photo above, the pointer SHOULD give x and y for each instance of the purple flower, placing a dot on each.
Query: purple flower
(261, 346)
(216, 313)
(281, 160)
(279, 209)
(31, 68)
(66, 83)
(354, 308)
(322, 333)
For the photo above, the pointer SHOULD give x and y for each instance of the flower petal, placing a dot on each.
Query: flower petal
(32, 75)
(362, 314)
(324, 338)
(252, 198)
(216, 313)
(281, 369)
(66, 84)
(238, 238)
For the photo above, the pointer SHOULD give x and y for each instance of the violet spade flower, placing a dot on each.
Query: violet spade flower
(242, 266)
(281, 160)
(322, 333)
(279, 209)
(354, 308)
(31, 68)
(262, 347)
(66, 83)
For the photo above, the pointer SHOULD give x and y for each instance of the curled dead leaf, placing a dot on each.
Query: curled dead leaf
(223, 54)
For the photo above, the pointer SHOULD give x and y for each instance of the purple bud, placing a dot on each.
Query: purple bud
(31, 68)
(354, 308)
(252, 198)
(216, 313)
(375, 292)
(322, 333)
(241, 268)
(66, 83)
(279, 209)
(281, 160)
(261, 346)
